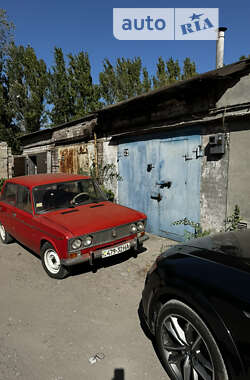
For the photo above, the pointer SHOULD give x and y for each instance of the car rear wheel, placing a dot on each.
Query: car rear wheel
(52, 263)
(186, 346)
(4, 235)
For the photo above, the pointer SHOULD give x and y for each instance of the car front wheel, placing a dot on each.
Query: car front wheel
(186, 346)
(52, 263)
(4, 235)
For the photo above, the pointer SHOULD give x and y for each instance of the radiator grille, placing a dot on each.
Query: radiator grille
(111, 234)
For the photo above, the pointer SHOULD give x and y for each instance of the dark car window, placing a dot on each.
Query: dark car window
(9, 194)
(23, 199)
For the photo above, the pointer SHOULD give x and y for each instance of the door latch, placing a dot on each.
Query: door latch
(163, 184)
(149, 167)
(156, 196)
(187, 158)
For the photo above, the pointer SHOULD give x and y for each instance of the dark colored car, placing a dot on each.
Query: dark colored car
(196, 302)
(67, 220)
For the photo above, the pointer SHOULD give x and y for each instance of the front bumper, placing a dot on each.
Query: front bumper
(135, 244)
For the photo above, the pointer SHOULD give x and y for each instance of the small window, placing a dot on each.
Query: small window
(10, 193)
(23, 199)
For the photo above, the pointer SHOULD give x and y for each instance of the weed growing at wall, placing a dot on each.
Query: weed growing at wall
(105, 175)
(198, 231)
(233, 221)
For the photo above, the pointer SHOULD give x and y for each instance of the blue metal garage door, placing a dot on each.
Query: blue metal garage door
(161, 177)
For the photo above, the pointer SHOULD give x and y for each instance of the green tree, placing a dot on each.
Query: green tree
(146, 81)
(84, 94)
(244, 57)
(6, 32)
(59, 92)
(126, 79)
(167, 72)
(189, 69)
(8, 129)
(170, 71)
(161, 78)
(173, 70)
(27, 84)
(128, 72)
(108, 83)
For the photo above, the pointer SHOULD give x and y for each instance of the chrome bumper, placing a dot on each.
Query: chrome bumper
(91, 256)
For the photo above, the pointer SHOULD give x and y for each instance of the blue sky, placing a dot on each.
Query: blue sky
(87, 25)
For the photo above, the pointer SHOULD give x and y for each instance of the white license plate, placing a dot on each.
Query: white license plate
(116, 250)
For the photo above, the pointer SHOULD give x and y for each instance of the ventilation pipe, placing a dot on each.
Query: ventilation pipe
(220, 47)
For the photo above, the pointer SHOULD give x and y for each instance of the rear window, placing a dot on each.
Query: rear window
(9, 194)
(17, 196)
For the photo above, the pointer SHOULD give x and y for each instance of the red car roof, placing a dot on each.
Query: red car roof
(43, 179)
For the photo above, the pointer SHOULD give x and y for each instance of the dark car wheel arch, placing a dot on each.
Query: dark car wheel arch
(198, 302)
(175, 309)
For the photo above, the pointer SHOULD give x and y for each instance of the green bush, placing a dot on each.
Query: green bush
(233, 221)
(104, 174)
(108, 193)
(198, 232)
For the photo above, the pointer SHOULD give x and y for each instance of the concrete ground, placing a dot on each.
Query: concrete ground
(49, 329)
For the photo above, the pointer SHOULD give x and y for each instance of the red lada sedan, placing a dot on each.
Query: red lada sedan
(67, 220)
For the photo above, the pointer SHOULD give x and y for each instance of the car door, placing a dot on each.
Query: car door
(8, 207)
(24, 223)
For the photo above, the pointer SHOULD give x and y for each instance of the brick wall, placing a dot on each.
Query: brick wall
(6, 161)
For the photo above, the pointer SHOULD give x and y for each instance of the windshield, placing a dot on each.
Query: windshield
(66, 194)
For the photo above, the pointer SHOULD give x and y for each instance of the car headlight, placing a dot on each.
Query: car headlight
(76, 244)
(87, 240)
(133, 228)
(140, 226)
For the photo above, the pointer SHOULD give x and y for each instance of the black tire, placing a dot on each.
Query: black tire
(186, 344)
(5, 237)
(52, 263)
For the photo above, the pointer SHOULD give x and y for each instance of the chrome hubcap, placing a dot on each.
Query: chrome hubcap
(52, 261)
(185, 349)
(2, 232)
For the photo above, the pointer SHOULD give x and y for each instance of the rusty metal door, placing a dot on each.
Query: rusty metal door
(73, 159)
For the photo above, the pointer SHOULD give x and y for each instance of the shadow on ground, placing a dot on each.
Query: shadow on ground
(119, 374)
(104, 263)
(99, 263)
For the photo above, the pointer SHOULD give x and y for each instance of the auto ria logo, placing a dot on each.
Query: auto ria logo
(165, 23)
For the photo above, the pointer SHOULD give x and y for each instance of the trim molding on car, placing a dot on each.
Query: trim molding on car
(39, 229)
